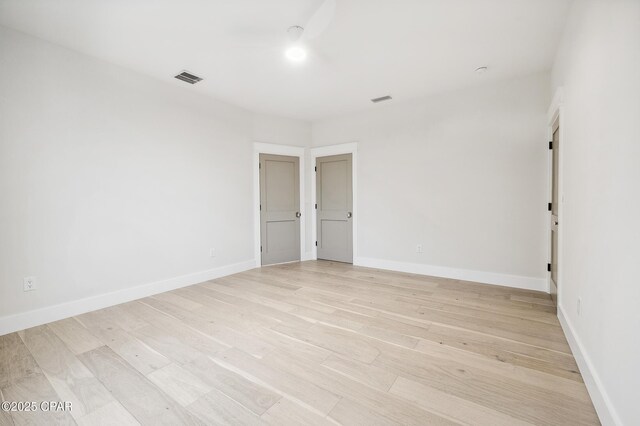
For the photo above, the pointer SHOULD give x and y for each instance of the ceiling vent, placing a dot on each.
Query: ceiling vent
(188, 77)
(381, 99)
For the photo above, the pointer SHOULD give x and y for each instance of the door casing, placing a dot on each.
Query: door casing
(555, 115)
(554, 224)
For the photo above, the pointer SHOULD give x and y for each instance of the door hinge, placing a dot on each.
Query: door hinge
(315, 169)
(316, 206)
(550, 144)
(260, 207)
(260, 249)
(549, 206)
(316, 244)
(259, 165)
(548, 267)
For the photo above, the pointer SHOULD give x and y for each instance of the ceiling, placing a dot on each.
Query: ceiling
(371, 48)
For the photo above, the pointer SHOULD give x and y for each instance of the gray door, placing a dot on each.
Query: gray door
(555, 145)
(279, 208)
(334, 208)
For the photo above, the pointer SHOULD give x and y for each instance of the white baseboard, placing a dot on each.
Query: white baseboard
(16, 322)
(306, 256)
(516, 281)
(601, 401)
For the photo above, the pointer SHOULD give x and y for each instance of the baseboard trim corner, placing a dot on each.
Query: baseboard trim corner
(516, 281)
(23, 320)
(601, 401)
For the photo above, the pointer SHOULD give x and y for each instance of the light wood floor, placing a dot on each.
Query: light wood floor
(305, 343)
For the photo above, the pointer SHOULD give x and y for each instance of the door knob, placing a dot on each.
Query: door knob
(349, 215)
(298, 214)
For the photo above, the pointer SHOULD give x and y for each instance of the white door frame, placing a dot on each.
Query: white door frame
(292, 151)
(556, 112)
(325, 151)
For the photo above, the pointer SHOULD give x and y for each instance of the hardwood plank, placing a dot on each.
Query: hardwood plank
(245, 392)
(263, 286)
(368, 375)
(350, 287)
(137, 394)
(103, 325)
(504, 329)
(170, 337)
(396, 409)
(112, 414)
(16, 362)
(509, 396)
(122, 318)
(179, 384)
(233, 294)
(71, 380)
(315, 316)
(170, 346)
(340, 341)
(178, 300)
(507, 351)
(290, 385)
(5, 416)
(506, 308)
(533, 299)
(349, 412)
(77, 338)
(532, 378)
(216, 408)
(35, 388)
(287, 412)
(221, 333)
(455, 408)
(389, 336)
(225, 313)
(393, 331)
(22, 380)
(292, 345)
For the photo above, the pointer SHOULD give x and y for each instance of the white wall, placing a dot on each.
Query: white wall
(462, 173)
(598, 66)
(110, 180)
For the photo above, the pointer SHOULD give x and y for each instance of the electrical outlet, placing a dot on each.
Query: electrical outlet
(419, 248)
(212, 252)
(579, 306)
(30, 283)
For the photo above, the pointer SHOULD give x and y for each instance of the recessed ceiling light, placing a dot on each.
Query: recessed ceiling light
(296, 53)
(481, 70)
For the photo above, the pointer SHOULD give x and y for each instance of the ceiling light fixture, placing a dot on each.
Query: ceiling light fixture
(296, 53)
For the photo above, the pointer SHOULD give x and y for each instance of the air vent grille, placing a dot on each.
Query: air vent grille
(188, 77)
(381, 99)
